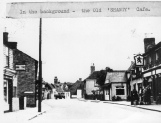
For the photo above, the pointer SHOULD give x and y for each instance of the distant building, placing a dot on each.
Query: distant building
(77, 88)
(115, 85)
(91, 83)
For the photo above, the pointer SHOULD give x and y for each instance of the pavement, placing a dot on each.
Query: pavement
(152, 107)
(30, 113)
(26, 114)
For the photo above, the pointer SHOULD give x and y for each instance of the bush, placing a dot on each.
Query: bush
(114, 98)
(128, 98)
(118, 98)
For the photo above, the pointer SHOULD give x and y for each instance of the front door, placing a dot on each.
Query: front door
(10, 93)
(107, 94)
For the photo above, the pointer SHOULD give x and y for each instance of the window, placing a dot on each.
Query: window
(7, 61)
(5, 90)
(145, 62)
(149, 60)
(6, 57)
(157, 57)
(120, 90)
(95, 84)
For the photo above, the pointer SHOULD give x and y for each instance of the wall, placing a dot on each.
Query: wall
(113, 90)
(9, 74)
(15, 106)
(26, 79)
(90, 86)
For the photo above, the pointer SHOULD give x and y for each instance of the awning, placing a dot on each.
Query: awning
(107, 85)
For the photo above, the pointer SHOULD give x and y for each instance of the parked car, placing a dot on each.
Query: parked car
(59, 96)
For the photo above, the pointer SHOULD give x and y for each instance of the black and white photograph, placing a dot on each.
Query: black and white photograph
(80, 61)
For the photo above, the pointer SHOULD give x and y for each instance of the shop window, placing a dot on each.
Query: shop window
(120, 90)
(5, 91)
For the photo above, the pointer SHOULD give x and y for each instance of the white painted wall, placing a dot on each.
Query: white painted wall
(113, 87)
(79, 93)
(15, 104)
(90, 86)
(67, 95)
(106, 94)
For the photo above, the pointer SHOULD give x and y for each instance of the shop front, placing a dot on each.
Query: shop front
(9, 88)
(154, 82)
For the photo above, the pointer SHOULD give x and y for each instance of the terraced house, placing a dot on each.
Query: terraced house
(24, 74)
(9, 74)
(152, 69)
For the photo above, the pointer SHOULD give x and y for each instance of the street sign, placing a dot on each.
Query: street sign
(20, 67)
(139, 60)
(83, 9)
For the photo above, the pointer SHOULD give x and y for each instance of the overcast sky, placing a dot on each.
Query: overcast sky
(71, 45)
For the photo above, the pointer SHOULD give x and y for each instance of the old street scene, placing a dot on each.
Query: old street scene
(87, 68)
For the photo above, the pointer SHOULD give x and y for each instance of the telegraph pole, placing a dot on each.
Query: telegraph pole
(40, 69)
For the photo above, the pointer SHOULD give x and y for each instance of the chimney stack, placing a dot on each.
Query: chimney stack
(55, 80)
(5, 37)
(148, 43)
(12, 45)
(92, 68)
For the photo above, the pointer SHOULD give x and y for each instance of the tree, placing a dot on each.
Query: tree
(101, 76)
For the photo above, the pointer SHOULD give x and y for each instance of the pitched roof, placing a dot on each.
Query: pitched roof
(77, 85)
(49, 85)
(116, 76)
(93, 75)
(131, 66)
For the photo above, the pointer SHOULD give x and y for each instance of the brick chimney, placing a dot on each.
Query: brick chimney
(149, 43)
(5, 37)
(12, 45)
(92, 68)
(55, 80)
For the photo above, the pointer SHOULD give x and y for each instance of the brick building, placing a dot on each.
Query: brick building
(26, 70)
(152, 69)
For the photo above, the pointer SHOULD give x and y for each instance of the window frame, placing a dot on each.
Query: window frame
(122, 88)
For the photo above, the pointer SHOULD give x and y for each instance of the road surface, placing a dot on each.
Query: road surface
(75, 111)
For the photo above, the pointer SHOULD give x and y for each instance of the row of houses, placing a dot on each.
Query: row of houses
(111, 84)
(50, 90)
(150, 74)
(114, 83)
(19, 77)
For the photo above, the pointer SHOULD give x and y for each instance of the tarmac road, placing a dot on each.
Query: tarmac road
(75, 111)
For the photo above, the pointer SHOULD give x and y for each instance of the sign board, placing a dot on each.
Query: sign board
(20, 67)
(139, 60)
(84, 9)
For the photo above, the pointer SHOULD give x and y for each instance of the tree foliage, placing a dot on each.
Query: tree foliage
(101, 76)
